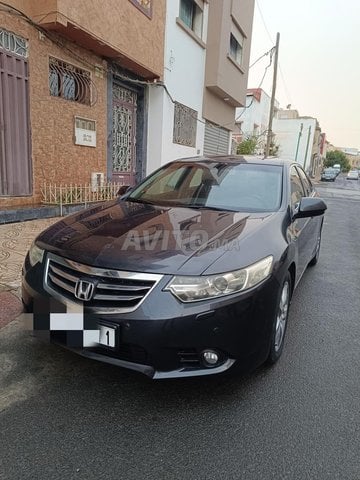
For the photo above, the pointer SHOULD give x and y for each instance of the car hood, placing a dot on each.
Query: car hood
(145, 238)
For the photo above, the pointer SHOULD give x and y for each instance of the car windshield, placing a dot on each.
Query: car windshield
(214, 185)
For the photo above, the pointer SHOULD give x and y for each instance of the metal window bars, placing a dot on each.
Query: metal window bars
(71, 83)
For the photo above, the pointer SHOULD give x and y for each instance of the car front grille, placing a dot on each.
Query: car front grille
(111, 291)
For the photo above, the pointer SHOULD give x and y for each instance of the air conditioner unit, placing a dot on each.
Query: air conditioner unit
(97, 180)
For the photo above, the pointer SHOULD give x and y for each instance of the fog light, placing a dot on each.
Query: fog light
(210, 358)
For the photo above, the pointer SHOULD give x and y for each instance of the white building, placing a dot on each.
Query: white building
(184, 74)
(295, 139)
(300, 139)
(253, 120)
(207, 52)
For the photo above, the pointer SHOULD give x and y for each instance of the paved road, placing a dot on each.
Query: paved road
(341, 187)
(65, 417)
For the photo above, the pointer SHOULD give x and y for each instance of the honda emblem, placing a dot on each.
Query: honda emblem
(84, 290)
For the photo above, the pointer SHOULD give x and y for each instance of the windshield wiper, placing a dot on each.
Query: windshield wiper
(209, 207)
(139, 200)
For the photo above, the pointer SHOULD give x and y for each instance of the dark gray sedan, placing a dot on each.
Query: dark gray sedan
(189, 273)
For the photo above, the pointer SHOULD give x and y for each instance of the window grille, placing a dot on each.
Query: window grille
(69, 82)
(185, 123)
(13, 43)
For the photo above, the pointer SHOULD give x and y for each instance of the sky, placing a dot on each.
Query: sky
(319, 59)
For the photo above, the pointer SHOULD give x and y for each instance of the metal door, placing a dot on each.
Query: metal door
(217, 140)
(124, 135)
(15, 157)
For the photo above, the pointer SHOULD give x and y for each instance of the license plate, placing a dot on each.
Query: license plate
(107, 336)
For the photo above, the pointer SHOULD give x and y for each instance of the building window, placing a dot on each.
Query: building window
(144, 5)
(69, 82)
(185, 123)
(236, 48)
(13, 43)
(192, 16)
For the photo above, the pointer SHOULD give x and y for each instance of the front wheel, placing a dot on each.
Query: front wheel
(280, 322)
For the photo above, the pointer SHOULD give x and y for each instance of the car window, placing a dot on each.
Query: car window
(305, 181)
(227, 186)
(196, 179)
(297, 191)
(170, 181)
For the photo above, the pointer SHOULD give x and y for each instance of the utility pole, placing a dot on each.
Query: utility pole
(272, 102)
(298, 142)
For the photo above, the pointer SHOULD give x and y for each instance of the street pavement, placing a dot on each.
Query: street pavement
(66, 417)
(15, 240)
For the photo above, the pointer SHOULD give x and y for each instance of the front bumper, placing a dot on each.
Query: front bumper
(164, 338)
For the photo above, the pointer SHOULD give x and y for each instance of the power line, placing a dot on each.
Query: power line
(260, 84)
(285, 86)
(262, 56)
(264, 23)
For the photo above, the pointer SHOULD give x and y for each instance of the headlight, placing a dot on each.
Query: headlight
(191, 289)
(36, 254)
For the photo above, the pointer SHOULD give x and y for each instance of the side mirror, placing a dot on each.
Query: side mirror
(310, 207)
(123, 189)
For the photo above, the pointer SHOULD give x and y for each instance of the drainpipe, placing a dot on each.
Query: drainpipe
(307, 146)
(298, 142)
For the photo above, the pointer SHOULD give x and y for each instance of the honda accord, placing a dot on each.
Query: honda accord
(191, 272)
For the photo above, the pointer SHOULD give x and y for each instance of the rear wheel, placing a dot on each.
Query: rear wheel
(280, 321)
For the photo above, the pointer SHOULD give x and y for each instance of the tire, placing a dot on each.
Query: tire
(280, 321)
(315, 258)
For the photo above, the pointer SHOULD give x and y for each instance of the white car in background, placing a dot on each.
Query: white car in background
(337, 167)
(353, 175)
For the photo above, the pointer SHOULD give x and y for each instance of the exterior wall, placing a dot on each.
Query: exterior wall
(218, 111)
(55, 157)
(353, 155)
(287, 114)
(354, 160)
(224, 76)
(141, 39)
(254, 119)
(256, 114)
(184, 78)
(287, 134)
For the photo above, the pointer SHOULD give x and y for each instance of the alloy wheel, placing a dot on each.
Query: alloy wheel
(282, 316)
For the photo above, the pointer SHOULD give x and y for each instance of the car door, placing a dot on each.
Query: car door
(314, 224)
(300, 228)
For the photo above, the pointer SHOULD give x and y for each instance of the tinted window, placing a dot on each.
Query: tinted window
(229, 186)
(297, 191)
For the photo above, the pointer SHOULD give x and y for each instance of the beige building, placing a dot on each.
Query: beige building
(227, 65)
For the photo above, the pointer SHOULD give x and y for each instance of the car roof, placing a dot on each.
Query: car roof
(252, 159)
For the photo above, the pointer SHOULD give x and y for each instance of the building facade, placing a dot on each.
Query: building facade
(300, 139)
(226, 72)
(88, 92)
(207, 51)
(73, 92)
(253, 120)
